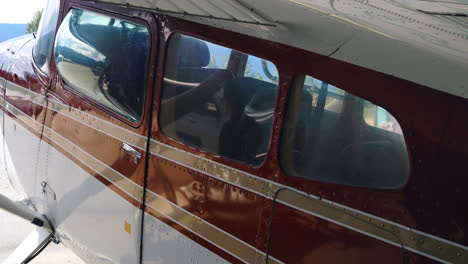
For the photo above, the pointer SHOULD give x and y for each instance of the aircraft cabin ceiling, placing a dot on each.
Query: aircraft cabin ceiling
(423, 41)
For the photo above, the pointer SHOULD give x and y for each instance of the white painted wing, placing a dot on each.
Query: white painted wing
(422, 41)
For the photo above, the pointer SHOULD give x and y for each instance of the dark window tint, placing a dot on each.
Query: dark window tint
(333, 136)
(217, 99)
(45, 35)
(105, 59)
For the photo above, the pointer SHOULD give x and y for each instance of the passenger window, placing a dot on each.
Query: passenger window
(45, 36)
(333, 136)
(105, 59)
(217, 99)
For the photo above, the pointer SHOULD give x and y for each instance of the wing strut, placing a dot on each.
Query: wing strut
(37, 240)
(24, 212)
(31, 246)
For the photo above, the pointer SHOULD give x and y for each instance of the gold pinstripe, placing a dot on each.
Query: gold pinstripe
(113, 176)
(83, 117)
(204, 229)
(384, 230)
(99, 124)
(353, 219)
(214, 235)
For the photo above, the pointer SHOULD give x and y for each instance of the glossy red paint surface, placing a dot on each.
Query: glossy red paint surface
(301, 238)
(71, 198)
(100, 145)
(20, 73)
(92, 142)
(234, 210)
(433, 124)
(423, 114)
(24, 73)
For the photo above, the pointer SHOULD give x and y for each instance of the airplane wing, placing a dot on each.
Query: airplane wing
(425, 42)
(394, 36)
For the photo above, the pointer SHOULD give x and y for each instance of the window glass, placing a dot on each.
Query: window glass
(333, 136)
(105, 59)
(217, 99)
(261, 70)
(45, 35)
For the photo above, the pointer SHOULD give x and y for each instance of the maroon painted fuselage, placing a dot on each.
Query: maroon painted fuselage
(433, 123)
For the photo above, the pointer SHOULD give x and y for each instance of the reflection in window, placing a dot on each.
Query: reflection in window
(217, 99)
(376, 116)
(333, 136)
(45, 36)
(105, 59)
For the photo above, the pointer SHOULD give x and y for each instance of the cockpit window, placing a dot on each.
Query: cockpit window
(333, 136)
(217, 99)
(45, 36)
(104, 58)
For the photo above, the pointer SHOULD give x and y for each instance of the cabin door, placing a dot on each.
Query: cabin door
(208, 140)
(97, 129)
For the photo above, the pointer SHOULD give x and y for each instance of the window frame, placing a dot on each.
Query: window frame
(47, 77)
(147, 88)
(181, 145)
(286, 176)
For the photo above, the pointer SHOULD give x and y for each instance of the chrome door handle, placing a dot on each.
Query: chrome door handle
(136, 155)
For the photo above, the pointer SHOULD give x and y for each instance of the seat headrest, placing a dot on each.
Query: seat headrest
(193, 53)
